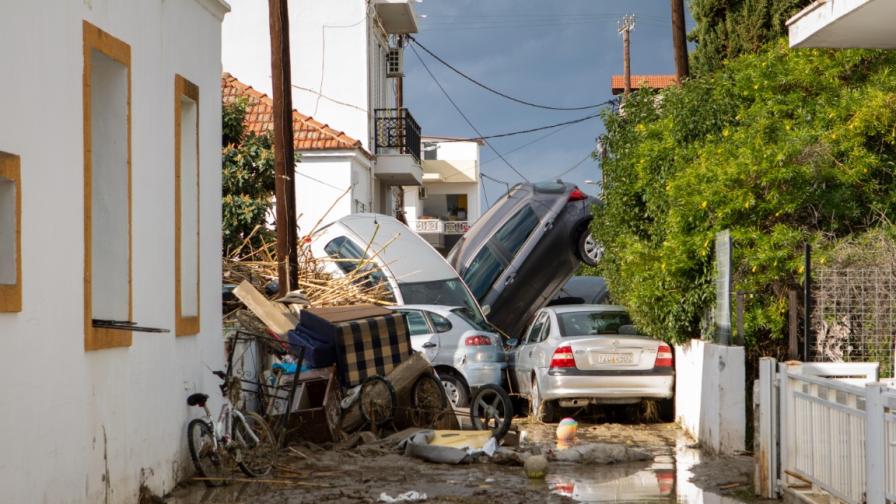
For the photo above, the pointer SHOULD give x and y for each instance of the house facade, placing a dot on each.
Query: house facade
(110, 212)
(346, 76)
(447, 204)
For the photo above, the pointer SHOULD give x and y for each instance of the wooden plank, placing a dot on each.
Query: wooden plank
(875, 444)
(273, 315)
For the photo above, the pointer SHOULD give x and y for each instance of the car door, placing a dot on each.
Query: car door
(543, 347)
(423, 339)
(445, 340)
(523, 355)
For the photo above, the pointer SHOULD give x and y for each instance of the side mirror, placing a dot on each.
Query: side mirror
(512, 342)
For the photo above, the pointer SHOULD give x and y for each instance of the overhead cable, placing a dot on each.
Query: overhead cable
(467, 119)
(573, 167)
(527, 144)
(495, 91)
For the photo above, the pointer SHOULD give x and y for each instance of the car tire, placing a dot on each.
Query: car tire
(587, 248)
(455, 389)
(542, 411)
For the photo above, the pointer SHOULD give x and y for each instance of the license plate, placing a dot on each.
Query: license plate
(614, 358)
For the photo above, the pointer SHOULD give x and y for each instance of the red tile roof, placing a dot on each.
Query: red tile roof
(308, 133)
(617, 82)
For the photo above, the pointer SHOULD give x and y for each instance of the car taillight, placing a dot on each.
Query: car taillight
(577, 195)
(477, 341)
(563, 358)
(663, 356)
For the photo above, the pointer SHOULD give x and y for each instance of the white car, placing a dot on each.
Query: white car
(413, 271)
(466, 354)
(577, 355)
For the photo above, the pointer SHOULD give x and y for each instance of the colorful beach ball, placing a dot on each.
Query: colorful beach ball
(566, 429)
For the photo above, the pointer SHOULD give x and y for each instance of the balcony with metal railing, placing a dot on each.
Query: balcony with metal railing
(397, 147)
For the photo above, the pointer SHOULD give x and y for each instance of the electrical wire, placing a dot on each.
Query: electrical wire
(573, 167)
(461, 112)
(523, 132)
(495, 91)
(527, 144)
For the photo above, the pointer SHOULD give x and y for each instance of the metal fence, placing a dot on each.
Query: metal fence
(828, 426)
(853, 317)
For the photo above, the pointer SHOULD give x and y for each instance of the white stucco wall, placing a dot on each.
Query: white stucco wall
(710, 394)
(323, 177)
(90, 427)
(337, 64)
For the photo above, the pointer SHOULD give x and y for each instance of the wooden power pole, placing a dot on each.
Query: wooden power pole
(625, 27)
(284, 155)
(679, 40)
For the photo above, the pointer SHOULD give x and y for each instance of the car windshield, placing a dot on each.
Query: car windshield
(482, 273)
(585, 323)
(449, 292)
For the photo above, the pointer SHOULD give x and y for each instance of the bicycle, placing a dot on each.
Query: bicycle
(242, 438)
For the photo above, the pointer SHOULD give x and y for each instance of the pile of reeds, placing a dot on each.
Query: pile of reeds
(316, 280)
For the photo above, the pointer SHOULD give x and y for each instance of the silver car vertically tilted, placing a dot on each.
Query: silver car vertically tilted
(577, 355)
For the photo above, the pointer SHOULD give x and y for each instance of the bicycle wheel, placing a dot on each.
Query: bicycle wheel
(255, 459)
(207, 460)
(377, 400)
(492, 410)
(429, 400)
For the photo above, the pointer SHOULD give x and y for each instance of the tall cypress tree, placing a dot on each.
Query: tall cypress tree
(728, 28)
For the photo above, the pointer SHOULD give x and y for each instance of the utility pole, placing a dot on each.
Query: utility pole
(625, 27)
(284, 155)
(679, 40)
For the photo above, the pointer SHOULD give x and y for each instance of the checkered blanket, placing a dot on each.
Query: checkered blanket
(371, 346)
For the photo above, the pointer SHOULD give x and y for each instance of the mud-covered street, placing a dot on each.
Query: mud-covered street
(677, 473)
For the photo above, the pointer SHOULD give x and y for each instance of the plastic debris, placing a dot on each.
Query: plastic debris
(410, 496)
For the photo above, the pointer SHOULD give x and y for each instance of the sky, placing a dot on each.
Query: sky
(552, 52)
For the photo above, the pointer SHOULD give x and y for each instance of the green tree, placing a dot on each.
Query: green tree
(248, 179)
(781, 147)
(728, 28)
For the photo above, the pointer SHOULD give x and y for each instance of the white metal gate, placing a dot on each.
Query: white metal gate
(830, 426)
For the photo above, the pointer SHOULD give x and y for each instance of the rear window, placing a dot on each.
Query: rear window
(470, 318)
(450, 292)
(514, 232)
(482, 272)
(589, 323)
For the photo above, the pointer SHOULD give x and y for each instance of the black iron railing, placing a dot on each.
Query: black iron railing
(397, 129)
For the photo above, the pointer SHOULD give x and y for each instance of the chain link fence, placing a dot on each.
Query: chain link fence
(853, 316)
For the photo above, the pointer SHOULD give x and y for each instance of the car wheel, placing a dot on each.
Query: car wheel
(540, 410)
(455, 389)
(588, 250)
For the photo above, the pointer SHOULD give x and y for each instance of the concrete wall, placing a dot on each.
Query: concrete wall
(89, 427)
(710, 394)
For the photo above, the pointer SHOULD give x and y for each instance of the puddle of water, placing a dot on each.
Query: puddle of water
(666, 479)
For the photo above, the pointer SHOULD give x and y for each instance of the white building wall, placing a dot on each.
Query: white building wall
(88, 427)
(325, 181)
(338, 61)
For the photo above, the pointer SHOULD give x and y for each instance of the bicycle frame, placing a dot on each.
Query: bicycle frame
(224, 428)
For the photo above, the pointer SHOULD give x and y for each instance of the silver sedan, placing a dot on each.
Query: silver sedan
(574, 356)
(465, 353)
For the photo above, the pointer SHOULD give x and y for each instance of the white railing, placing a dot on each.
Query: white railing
(440, 226)
(835, 427)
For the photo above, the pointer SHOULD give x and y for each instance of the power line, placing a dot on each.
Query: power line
(527, 144)
(493, 90)
(467, 119)
(573, 167)
(523, 132)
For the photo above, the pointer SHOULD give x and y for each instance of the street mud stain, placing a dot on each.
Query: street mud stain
(677, 473)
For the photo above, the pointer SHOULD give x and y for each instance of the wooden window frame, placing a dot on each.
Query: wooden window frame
(11, 294)
(96, 338)
(184, 326)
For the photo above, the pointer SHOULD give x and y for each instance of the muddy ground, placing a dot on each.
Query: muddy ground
(678, 473)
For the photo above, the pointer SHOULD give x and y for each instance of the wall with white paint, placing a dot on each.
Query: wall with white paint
(91, 427)
(710, 394)
(331, 185)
